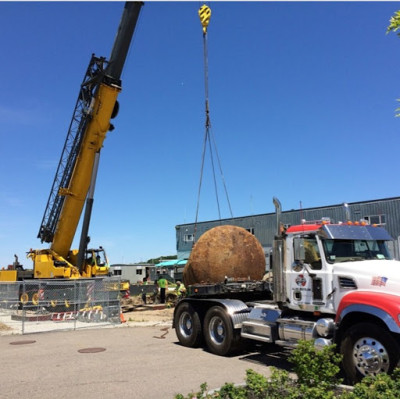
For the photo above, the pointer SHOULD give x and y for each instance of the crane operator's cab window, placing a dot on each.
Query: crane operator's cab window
(96, 258)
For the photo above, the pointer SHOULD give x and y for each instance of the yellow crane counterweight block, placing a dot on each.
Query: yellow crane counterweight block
(205, 15)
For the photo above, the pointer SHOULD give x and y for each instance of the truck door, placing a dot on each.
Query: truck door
(307, 275)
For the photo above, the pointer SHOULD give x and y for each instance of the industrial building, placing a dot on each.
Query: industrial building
(134, 272)
(172, 270)
(383, 212)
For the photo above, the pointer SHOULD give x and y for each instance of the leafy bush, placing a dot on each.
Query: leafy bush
(228, 391)
(383, 386)
(317, 378)
(317, 369)
(278, 386)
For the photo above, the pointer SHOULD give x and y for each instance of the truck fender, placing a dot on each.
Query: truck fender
(385, 307)
(236, 309)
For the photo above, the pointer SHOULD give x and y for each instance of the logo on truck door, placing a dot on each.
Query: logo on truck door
(301, 280)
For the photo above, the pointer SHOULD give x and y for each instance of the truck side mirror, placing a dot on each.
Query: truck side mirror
(299, 251)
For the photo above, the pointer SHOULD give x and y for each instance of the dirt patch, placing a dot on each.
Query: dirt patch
(4, 327)
(149, 314)
(134, 310)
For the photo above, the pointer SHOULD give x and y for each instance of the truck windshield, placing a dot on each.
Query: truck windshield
(353, 250)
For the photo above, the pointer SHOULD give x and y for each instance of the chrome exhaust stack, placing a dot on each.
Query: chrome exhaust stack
(278, 210)
(277, 258)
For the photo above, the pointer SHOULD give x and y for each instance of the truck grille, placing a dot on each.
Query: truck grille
(347, 283)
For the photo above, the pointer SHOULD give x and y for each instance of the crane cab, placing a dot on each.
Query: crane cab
(96, 263)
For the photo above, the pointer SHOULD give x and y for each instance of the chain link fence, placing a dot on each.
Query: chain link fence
(46, 305)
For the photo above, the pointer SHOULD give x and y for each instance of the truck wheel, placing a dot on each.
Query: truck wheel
(368, 349)
(188, 326)
(219, 334)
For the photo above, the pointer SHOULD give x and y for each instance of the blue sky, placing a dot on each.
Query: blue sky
(302, 99)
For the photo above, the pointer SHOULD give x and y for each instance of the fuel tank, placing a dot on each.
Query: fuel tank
(225, 252)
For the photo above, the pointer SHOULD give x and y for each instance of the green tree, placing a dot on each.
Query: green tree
(394, 23)
(161, 258)
(394, 26)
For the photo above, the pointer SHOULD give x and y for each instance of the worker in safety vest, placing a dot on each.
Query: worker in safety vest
(180, 289)
(162, 285)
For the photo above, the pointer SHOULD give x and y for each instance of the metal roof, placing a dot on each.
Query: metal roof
(175, 262)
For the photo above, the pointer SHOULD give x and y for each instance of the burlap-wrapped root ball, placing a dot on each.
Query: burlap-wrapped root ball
(225, 251)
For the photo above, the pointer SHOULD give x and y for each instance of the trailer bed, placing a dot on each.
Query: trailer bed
(232, 289)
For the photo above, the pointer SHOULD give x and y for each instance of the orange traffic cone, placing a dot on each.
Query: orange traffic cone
(122, 318)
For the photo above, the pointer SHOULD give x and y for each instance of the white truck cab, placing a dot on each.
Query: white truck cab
(325, 262)
(330, 283)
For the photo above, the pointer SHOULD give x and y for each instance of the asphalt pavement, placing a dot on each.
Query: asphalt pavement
(124, 362)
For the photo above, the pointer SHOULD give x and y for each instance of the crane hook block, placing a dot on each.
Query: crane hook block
(204, 14)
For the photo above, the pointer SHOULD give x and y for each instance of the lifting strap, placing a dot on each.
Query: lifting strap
(205, 14)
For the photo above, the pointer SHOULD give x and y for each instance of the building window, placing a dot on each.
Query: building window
(379, 220)
(139, 272)
(188, 238)
(251, 230)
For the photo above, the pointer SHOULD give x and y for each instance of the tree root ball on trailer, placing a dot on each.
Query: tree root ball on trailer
(225, 251)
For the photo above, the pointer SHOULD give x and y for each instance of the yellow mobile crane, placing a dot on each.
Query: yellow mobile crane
(75, 178)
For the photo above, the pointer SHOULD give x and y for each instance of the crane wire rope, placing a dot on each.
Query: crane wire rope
(205, 14)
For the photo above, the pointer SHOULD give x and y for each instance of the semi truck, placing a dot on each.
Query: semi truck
(75, 178)
(333, 283)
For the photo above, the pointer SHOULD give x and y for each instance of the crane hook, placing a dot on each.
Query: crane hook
(205, 15)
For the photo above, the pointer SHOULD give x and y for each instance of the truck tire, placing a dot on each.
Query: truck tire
(219, 334)
(368, 349)
(188, 326)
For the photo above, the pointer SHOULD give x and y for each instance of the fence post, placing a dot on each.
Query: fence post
(75, 302)
(23, 291)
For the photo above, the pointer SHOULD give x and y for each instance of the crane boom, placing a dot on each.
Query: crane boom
(70, 151)
(95, 107)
